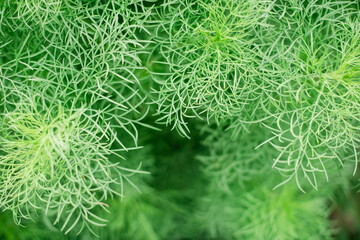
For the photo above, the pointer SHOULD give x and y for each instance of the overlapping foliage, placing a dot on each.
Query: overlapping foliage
(210, 49)
(69, 101)
(316, 117)
(267, 91)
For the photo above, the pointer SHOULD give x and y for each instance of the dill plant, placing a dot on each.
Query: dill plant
(315, 121)
(161, 210)
(276, 81)
(33, 12)
(240, 202)
(56, 159)
(265, 214)
(211, 50)
(70, 100)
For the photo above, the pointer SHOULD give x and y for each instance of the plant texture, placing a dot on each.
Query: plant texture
(265, 214)
(57, 160)
(268, 90)
(234, 161)
(316, 121)
(248, 208)
(210, 51)
(69, 102)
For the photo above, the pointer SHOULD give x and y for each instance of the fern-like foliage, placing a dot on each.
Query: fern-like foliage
(316, 118)
(69, 101)
(57, 159)
(276, 82)
(210, 50)
(266, 214)
(247, 207)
